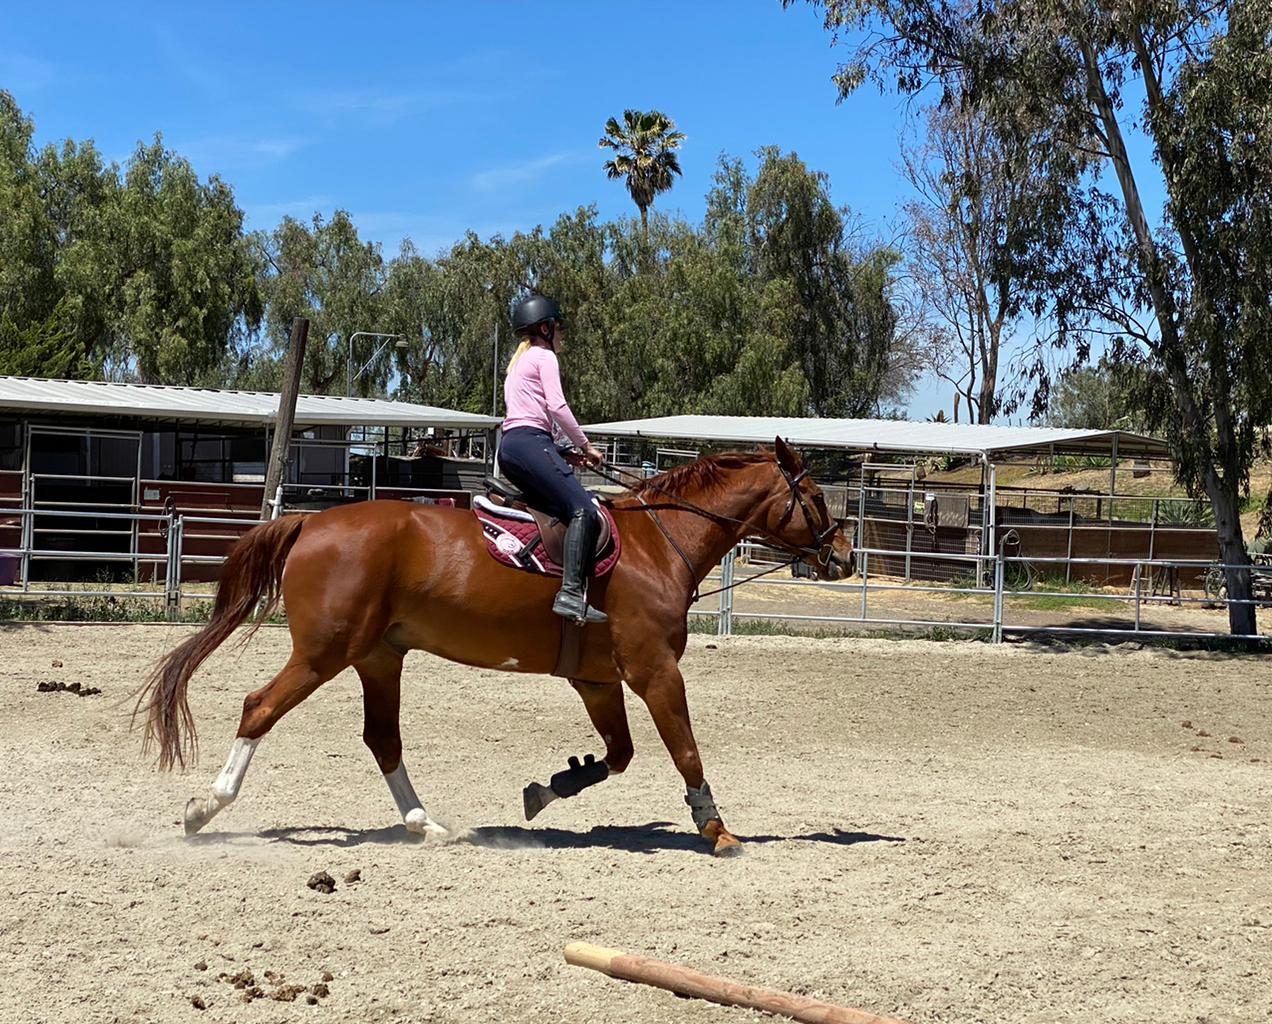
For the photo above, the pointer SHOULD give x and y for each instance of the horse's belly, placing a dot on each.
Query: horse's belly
(513, 638)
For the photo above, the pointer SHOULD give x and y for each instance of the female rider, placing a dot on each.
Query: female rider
(529, 457)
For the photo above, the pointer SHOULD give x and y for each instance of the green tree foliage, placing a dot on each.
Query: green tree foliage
(172, 261)
(668, 317)
(323, 271)
(644, 146)
(27, 239)
(1094, 397)
(1189, 305)
(49, 204)
(844, 323)
(771, 306)
(43, 348)
(143, 273)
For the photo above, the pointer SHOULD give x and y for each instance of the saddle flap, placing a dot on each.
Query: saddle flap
(552, 532)
(534, 541)
(504, 489)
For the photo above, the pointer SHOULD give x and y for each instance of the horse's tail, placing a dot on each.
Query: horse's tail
(252, 573)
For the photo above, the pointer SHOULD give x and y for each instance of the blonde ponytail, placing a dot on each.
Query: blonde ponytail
(525, 344)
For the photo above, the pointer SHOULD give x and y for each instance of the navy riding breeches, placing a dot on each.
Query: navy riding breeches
(530, 460)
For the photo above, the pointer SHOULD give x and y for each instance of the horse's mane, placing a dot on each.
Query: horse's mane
(706, 473)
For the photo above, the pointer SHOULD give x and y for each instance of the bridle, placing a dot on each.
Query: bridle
(822, 549)
(823, 539)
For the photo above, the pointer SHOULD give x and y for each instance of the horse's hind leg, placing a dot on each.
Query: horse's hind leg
(604, 703)
(381, 675)
(261, 709)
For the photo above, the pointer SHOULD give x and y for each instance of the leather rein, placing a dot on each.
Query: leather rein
(822, 550)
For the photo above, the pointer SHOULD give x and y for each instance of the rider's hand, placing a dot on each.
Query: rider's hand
(593, 455)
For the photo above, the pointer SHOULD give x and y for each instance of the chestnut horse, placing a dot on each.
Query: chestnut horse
(365, 583)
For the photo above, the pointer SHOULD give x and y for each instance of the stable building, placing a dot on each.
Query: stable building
(81, 461)
(884, 479)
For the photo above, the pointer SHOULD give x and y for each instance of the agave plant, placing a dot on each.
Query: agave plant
(645, 145)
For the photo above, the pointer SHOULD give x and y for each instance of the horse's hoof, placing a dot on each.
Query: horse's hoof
(534, 798)
(723, 842)
(195, 819)
(727, 846)
(421, 824)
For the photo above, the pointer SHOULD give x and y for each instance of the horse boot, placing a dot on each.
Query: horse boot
(579, 551)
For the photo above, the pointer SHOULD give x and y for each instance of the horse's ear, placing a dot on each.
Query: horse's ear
(786, 457)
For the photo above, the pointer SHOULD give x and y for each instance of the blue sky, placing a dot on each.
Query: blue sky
(426, 120)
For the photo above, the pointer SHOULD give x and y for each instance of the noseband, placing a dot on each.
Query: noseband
(823, 540)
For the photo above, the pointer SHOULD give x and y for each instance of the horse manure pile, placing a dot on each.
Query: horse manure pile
(323, 882)
(75, 688)
(275, 987)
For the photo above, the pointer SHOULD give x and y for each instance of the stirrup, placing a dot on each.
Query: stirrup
(569, 606)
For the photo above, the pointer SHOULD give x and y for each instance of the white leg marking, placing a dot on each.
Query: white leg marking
(408, 804)
(226, 787)
(509, 663)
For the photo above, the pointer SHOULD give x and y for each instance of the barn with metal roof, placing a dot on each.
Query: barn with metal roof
(71, 448)
(891, 436)
(909, 519)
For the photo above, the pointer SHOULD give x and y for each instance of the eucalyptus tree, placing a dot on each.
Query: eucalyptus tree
(172, 253)
(325, 272)
(1188, 304)
(142, 272)
(842, 319)
(981, 201)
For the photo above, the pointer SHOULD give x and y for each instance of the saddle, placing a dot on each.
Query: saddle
(525, 538)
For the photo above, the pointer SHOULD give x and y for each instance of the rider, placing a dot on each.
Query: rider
(530, 458)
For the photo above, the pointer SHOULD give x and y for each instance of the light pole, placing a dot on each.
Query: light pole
(350, 376)
(494, 357)
(494, 382)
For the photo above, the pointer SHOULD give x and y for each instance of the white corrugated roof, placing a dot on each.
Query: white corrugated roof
(151, 401)
(884, 435)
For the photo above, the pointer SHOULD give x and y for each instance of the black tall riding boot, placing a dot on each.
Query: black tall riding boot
(580, 551)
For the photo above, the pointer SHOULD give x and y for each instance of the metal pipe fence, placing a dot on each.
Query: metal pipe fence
(990, 596)
(1007, 591)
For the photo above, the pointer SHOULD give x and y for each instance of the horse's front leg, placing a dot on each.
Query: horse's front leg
(604, 703)
(661, 686)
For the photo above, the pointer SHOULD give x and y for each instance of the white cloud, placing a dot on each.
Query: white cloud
(20, 73)
(382, 107)
(523, 172)
(217, 153)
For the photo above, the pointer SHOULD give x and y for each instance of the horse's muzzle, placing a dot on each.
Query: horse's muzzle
(834, 568)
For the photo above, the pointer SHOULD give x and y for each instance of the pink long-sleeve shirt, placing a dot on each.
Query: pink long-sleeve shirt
(533, 396)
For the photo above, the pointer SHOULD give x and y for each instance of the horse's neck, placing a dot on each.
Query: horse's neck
(704, 540)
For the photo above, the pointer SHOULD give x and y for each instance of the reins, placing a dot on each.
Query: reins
(679, 504)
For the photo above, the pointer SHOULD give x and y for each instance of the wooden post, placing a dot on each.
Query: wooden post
(717, 990)
(277, 464)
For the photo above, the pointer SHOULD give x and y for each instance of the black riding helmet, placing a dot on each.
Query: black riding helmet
(534, 310)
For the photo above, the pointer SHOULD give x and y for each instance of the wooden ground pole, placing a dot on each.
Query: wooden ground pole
(685, 982)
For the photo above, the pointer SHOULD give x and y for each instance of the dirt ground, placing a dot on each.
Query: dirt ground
(941, 832)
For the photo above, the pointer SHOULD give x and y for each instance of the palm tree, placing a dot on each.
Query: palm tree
(645, 145)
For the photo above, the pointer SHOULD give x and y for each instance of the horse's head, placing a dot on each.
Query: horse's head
(796, 513)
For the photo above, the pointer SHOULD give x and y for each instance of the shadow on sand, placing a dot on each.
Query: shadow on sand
(654, 837)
